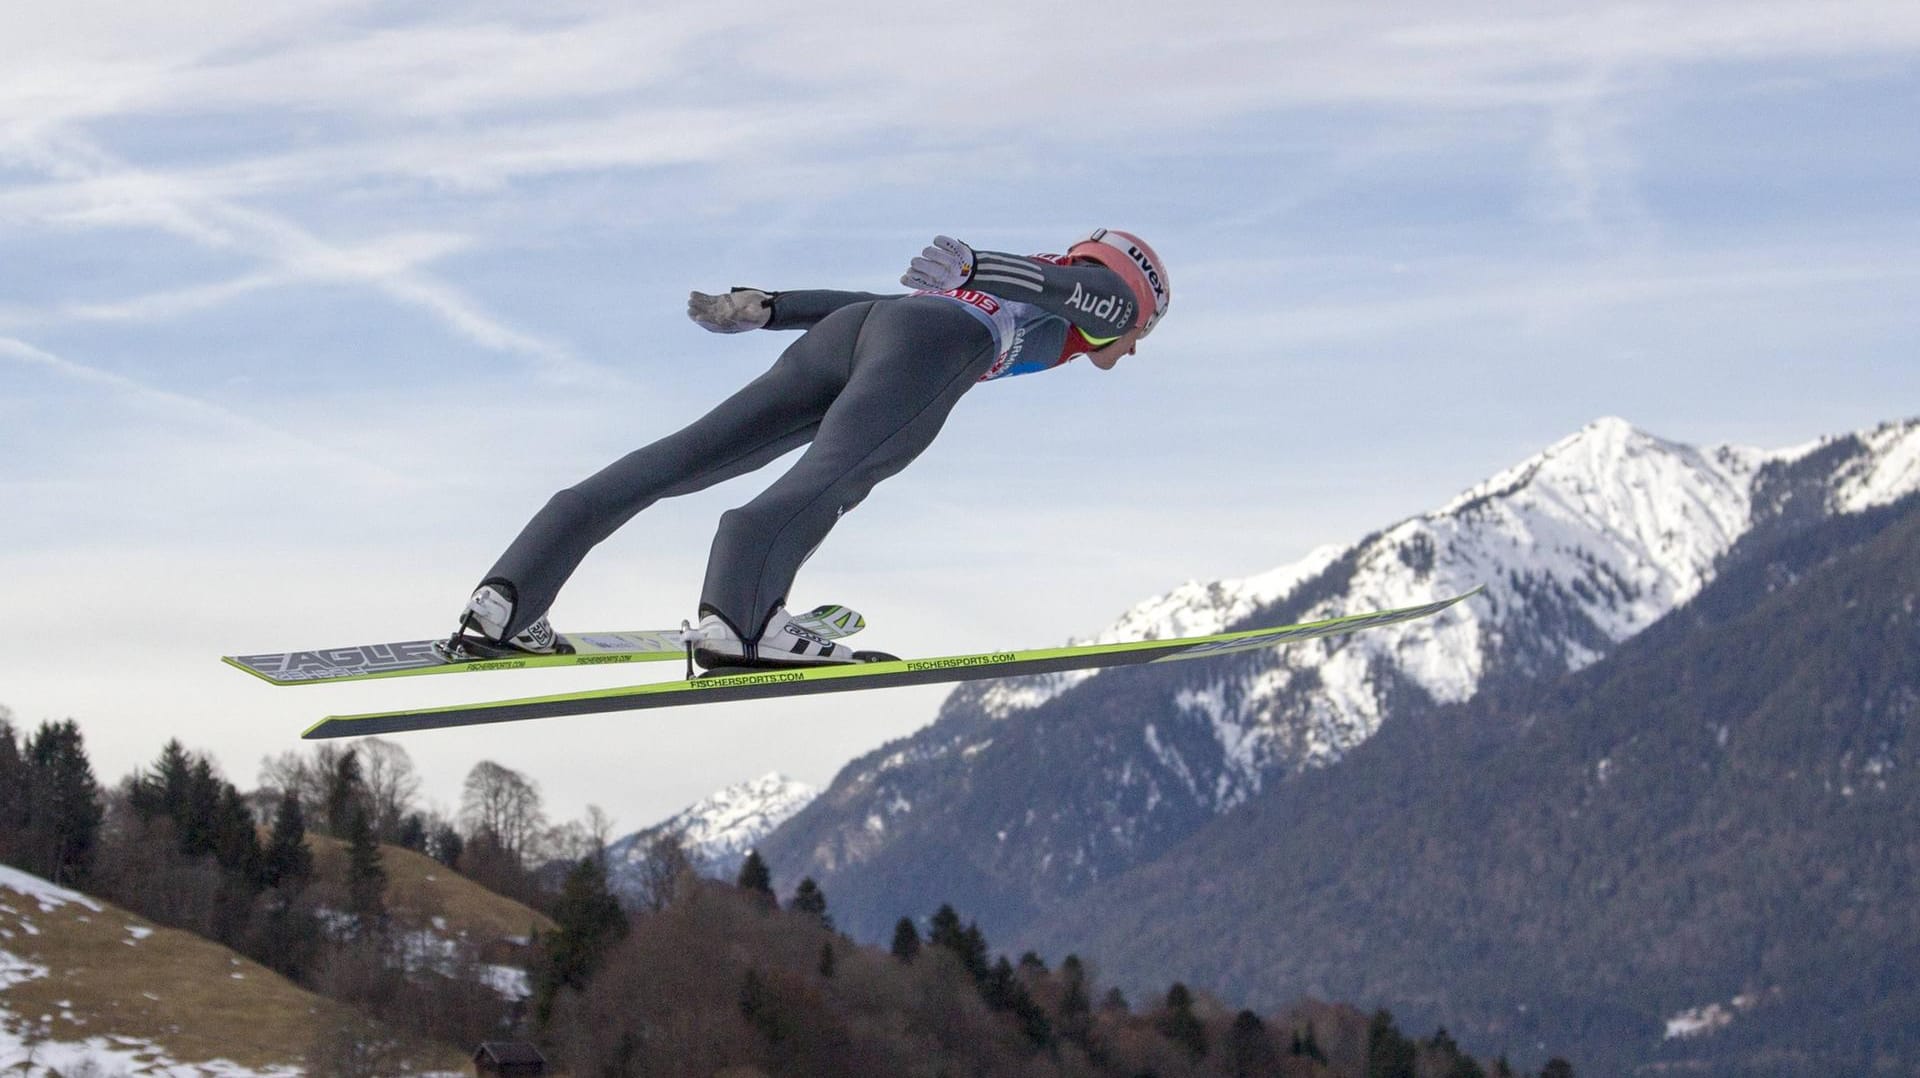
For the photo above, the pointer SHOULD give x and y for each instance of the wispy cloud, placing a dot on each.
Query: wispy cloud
(183, 408)
(108, 192)
(1589, 166)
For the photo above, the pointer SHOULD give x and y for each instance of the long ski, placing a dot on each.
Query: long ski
(409, 658)
(762, 684)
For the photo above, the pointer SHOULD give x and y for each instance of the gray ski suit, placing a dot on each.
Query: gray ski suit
(866, 388)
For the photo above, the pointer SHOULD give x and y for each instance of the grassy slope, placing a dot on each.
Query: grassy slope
(117, 974)
(420, 887)
(200, 1001)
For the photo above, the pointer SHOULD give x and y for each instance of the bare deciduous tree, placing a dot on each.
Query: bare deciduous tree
(391, 782)
(665, 871)
(308, 776)
(502, 804)
(576, 840)
(599, 826)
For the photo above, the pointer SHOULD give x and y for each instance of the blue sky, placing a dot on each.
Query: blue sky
(305, 309)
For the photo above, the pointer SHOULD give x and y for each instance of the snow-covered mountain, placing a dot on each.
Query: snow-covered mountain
(717, 831)
(1038, 787)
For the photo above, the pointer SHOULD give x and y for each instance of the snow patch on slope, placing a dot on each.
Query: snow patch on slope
(27, 1045)
(1889, 471)
(16, 970)
(1713, 1017)
(49, 896)
(27, 1051)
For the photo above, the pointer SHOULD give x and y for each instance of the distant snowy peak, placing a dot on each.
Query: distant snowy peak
(718, 830)
(1581, 546)
(1633, 524)
(1197, 609)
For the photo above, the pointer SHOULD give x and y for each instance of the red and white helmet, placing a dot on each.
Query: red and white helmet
(1129, 256)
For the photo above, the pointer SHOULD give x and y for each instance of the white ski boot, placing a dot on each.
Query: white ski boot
(487, 614)
(785, 642)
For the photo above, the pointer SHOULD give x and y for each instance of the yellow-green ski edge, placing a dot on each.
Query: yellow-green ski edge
(822, 679)
(474, 666)
(413, 658)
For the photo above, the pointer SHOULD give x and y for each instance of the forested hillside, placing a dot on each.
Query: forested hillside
(1701, 851)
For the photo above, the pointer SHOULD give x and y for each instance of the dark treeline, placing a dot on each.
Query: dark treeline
(712, 978)
(50, 809)
(697, 977)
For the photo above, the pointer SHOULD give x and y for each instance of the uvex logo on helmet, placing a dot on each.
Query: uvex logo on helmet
(1137, 264)
(1152, 271)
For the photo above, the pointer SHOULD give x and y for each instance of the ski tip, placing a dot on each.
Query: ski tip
(234, 661)
(337, 726)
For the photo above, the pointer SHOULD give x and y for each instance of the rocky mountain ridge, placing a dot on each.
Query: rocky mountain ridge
(1021, 793)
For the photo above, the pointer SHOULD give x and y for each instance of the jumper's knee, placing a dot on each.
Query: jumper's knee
(747, 528)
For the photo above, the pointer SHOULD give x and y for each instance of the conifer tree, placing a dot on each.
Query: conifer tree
(1308, 1045)
(412, 833)
(1179, 1024)
(906, 940)
(288, 864)
(163, 791)
(198, 822)
(1557, 1068)
(1249, 1048)
(945, 930)
(967, 944)
(237, 843)
(1032, 1017)
(1076, 1007)
(344, 793)
(997, 990)
(1389, 1053)
(1464, 1066)
(810, 900)
(755, 879)
(1003, 991)
(973, 951)
(63, 805)
(366, 877)
(589, 921)
(13, 790)
(445, 845)
(1453, 1062)
(828, 960)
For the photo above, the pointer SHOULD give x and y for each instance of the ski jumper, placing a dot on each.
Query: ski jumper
(866, 388)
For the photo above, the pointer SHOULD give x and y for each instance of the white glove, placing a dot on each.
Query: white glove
(947, 264)
(734, 312)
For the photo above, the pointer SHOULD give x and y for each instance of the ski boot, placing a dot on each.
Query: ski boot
(484, 621)
(786, 643)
